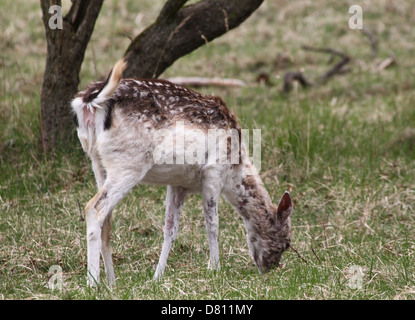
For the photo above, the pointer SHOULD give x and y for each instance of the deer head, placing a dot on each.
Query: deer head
(269, 237)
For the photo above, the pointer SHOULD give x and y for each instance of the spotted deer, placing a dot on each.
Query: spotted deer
(117, 123)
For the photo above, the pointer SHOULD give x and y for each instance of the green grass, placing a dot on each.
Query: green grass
(345, 151)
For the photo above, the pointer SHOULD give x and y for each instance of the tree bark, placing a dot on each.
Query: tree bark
(179, 30)
(65, 53)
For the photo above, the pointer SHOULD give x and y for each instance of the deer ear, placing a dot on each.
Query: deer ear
(284, 208)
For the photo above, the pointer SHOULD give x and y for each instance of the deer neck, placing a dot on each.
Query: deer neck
(246, 193)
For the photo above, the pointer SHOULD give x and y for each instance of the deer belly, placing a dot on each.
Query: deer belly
(187, 176)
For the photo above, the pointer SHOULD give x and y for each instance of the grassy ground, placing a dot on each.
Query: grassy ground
(345, 150)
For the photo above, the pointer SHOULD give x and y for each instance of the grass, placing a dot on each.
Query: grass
(345, 151)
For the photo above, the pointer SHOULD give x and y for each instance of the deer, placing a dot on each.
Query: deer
(117, 122)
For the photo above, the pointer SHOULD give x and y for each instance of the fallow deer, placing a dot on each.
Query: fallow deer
(117, 123)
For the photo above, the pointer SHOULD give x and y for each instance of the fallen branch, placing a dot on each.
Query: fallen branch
(374, 42)
(298, 254)
(389, 61)
(331, 51)
(199, 82)
(338, 68)
(316, 255)
(81, 217)
(290, 77)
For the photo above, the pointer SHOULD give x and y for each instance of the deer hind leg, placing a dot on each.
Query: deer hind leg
(106, 250)
(99, 170)
(100, 176)
(98, 217)
(210, 197)
(174, 203)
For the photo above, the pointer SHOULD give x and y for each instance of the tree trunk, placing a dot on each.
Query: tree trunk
(65, 53)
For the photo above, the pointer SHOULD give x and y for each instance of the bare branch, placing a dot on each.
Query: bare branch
(77, 13)
(333, 52)
(389, 61)
(374, 42)
(290, 77)
(81, 217)
(166, 40)
(199, 82)
(338, 68)
(176, 30)
(316, 255)
(298, 254)
(170, 9)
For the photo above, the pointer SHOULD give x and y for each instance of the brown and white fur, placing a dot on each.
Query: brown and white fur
(116, 122)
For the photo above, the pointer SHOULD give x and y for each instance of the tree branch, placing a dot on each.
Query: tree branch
(170, 9)
(166, 40)
(200, 81)
(290, 77)
(77, 13)
(374, 42)
(338, 68)
(331, 51)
